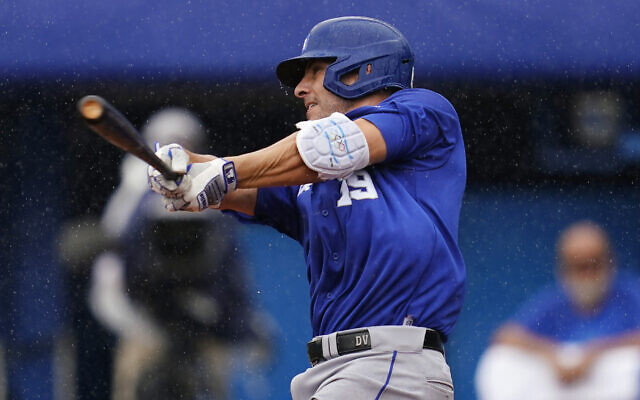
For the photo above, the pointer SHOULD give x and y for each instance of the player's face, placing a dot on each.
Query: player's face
(318, 101)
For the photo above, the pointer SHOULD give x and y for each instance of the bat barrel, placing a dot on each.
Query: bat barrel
(114, 127)
(91, 107)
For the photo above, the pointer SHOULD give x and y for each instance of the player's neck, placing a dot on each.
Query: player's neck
(370, 100)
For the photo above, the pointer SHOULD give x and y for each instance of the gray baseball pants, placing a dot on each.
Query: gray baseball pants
(396, 367)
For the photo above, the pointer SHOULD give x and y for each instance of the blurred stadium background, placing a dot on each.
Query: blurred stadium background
(548, 93)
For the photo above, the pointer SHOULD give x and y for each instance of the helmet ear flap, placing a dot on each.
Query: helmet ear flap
(351, 77)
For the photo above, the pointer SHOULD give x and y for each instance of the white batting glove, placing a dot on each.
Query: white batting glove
(209, 182)
(178, 160)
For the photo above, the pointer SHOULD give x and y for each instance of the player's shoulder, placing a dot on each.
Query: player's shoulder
(421, 98)
(417, 94)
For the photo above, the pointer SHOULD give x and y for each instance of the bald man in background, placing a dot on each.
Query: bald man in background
(579, 339)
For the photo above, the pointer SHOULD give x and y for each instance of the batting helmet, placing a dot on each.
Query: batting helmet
(376, 49)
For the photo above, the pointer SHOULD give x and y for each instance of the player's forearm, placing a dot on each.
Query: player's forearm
(281, 164)
(277, 165)
(242, 200)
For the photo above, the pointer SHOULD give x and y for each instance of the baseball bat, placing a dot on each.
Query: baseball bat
(114, 127)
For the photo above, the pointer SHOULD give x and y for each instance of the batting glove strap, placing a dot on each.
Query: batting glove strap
(210, 182)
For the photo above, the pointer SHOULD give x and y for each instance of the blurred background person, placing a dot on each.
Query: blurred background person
(579, 339)
(176, 299)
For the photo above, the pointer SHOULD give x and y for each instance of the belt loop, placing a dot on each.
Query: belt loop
(326, 354)
(333, 345)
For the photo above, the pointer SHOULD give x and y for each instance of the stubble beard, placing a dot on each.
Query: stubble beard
(329, 106)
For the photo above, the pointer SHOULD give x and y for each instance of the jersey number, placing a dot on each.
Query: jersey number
(358, 186)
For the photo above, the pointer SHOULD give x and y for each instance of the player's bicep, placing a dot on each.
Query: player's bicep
(375, 141)
(405, 136)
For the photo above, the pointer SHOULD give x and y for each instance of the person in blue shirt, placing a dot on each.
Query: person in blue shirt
(572, 326)
(371, 186)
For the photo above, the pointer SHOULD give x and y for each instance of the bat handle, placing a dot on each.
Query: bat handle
(167, 172)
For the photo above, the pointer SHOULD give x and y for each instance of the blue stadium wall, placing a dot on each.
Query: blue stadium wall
(138, 38)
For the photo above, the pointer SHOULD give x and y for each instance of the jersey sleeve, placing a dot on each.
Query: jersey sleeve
(276, 207)
(422, 126)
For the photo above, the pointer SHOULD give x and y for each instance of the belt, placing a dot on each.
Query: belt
(360, 340)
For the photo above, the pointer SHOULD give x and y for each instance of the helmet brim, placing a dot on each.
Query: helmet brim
(291, 71)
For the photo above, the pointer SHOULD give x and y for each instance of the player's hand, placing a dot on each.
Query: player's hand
(209, 182)
(571, 365)
(178, 160)
(571, 373)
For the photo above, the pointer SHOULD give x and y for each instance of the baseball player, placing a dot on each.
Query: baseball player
(371, 186)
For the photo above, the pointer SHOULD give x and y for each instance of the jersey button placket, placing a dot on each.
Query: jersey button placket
(325, 213)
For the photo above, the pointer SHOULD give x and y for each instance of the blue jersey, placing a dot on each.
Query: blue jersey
(381, 245)
(551, 314)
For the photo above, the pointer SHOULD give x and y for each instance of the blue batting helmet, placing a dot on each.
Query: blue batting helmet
(376, 49)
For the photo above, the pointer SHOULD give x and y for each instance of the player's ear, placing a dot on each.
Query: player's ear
(351, 77)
